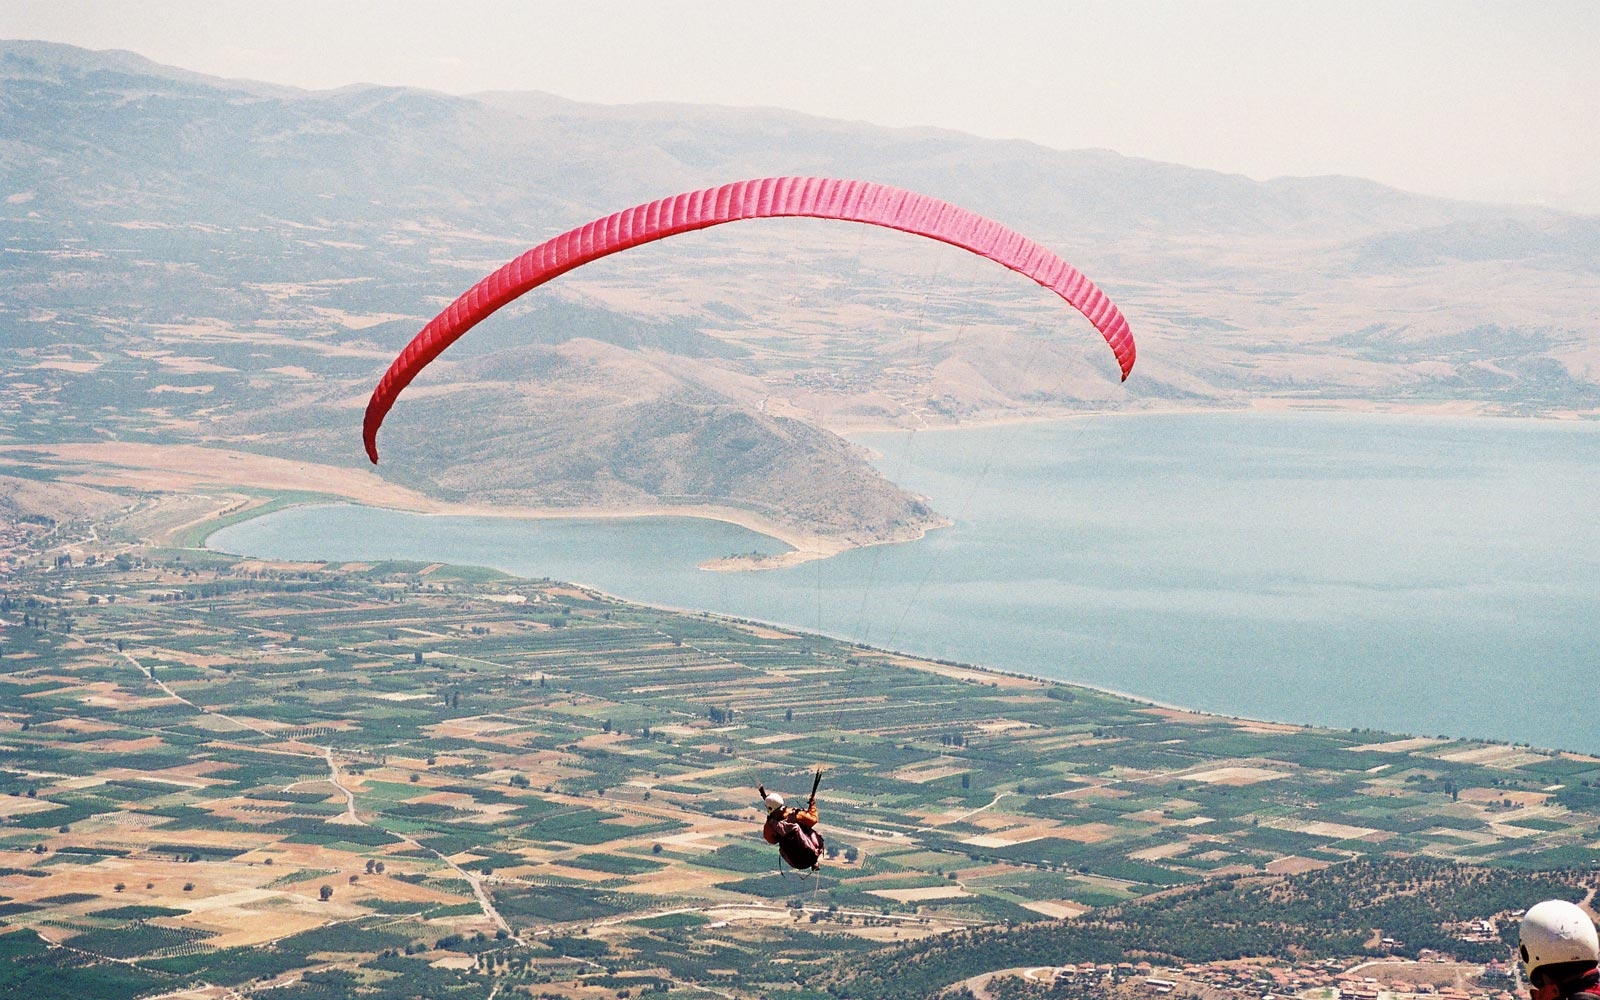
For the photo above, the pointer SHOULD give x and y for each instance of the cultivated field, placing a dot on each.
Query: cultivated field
(246, 773)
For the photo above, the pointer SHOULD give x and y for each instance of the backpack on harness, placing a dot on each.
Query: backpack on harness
(800, 847)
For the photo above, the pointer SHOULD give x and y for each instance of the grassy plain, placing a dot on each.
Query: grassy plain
(406, 779)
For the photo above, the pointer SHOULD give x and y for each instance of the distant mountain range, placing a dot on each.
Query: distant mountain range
(196, 259)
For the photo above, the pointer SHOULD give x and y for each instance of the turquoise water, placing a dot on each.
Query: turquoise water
(1409, 574)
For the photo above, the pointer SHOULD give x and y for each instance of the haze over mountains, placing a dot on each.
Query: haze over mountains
(198, 260)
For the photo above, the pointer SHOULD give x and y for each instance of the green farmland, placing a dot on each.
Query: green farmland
(379, 780)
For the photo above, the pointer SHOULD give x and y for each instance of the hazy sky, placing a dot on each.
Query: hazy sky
(1494, 101)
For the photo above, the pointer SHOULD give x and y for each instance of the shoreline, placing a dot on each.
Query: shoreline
(923, 662)
(918, 661)
(184, 468)
(1445, 410)
(195, 470)
(992, 671)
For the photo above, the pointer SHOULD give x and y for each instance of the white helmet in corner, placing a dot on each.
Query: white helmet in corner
(774, 801)
(1555, 932)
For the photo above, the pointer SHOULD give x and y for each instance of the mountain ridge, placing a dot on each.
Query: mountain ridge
(290, 241)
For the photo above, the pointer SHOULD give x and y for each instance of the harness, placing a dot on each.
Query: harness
(799, 847)
(802, 848)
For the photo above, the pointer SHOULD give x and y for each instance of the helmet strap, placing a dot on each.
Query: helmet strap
(1549, 990)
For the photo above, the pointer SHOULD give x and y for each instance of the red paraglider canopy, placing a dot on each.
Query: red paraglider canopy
(771, 197)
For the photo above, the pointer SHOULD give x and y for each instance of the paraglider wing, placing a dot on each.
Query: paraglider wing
(771, 197)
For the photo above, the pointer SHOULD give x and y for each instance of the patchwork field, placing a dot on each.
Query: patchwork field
(254, 774)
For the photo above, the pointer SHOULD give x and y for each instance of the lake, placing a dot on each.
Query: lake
(1412, 574)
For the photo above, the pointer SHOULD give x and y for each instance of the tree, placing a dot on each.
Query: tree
(326, 892)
